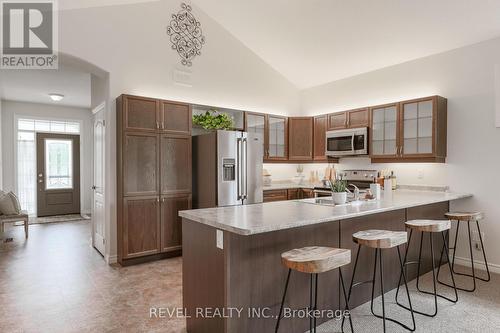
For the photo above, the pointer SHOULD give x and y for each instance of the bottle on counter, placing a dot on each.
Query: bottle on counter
(394, 180)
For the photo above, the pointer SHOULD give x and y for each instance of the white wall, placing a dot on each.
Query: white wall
(11, 109)
(130, 43)
(1, 150)
(466, 77)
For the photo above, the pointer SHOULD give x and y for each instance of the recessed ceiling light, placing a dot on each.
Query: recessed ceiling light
(56, 97)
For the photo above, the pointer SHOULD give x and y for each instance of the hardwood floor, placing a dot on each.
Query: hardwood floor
(56, 282)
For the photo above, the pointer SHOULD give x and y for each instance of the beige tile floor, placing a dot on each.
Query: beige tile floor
(56, 282)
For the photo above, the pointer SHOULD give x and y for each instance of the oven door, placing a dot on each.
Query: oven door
(339, 144)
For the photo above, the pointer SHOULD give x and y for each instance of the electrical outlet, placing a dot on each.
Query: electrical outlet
(219, 239)
(420, 174)
(476, 240)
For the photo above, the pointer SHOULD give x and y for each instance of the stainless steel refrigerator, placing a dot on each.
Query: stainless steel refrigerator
(227, 169)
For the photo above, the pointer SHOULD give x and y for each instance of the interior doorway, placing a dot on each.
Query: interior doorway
(58, 174)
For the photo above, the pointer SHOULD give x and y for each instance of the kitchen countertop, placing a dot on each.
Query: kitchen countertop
(273, 216)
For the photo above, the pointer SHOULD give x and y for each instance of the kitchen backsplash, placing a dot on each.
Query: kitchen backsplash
(407, 173)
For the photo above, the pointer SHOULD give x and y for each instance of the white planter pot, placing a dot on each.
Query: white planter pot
(339, 198)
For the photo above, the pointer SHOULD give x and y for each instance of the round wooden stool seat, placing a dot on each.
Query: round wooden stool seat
(380, 239)
(464, 216)
(429, 225)
(316, 259)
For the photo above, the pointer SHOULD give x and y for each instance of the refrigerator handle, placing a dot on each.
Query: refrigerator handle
(238, 168)
(244, 168)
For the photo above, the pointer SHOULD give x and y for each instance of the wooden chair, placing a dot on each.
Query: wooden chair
(314, 260)
(469, 218)
(381, 240)
(430, 227)
(15, 218)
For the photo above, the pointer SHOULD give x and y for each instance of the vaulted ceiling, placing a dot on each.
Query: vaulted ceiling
(318, 41)
(312, 42)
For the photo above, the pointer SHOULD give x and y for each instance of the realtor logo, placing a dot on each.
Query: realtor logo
(29, 39)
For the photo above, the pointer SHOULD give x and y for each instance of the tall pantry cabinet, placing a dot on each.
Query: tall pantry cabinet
(153, 176)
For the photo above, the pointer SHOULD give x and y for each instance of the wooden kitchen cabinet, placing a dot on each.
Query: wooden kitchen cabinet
(319, 145)
(175, 161)
(358, 118)
(384, 134)
(277, 138)
(294, 194)
(349, 119)
(409, 131)
(171, 222)
(141, 226)
(275, 195)
(140, 164)
(273, 130)
(175, 118)
(140, 113)
(307, 193)
(153, 176)
(337, 121)
(300, 139)
(423, 129)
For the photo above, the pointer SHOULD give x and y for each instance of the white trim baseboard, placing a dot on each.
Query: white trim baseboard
(494, 268)
(111, 259)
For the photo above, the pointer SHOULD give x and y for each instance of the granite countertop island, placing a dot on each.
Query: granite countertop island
(272, 216)
(232, 255)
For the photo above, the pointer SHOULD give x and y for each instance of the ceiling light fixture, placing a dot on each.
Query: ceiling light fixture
(56, 97)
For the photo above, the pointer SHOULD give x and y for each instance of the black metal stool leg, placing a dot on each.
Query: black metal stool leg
(484, 254)
(383, 317)
(346, 301)
(473, 275)
(433, 280)
(451, 271)
(315, 299)
(352, 281)
(282, 301)
(310, 301)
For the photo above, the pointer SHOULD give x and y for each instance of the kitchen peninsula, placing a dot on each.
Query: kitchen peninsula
(231, 255)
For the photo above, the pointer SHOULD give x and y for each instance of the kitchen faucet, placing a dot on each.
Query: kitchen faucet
(355, 194)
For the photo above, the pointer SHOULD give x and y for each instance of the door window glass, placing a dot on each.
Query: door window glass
(58, 164)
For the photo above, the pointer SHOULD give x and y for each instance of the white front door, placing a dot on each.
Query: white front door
(98, 218)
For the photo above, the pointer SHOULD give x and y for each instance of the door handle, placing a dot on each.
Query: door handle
(94, 187)
(244, 167)
(238, 168)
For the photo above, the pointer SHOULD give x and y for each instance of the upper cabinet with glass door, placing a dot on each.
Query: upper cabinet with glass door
(423, 129)
(274, 132)
(409, 131)
(385, 131)
(277, 129)
(256, 123)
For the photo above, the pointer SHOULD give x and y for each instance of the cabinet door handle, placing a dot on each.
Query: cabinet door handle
(157, 125)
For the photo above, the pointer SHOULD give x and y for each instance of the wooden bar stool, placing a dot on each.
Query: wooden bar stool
(314, 260)
(379, 240)
(430, 227)
(467, 217)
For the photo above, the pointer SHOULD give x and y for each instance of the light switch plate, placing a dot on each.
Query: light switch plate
(220, 239)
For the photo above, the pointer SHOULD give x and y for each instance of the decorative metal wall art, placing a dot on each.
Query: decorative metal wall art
(186, 35)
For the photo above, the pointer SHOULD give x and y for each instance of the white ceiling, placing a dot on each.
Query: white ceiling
(35, 85)
(312, 42)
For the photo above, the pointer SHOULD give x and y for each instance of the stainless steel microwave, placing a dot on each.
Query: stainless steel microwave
(349, 142)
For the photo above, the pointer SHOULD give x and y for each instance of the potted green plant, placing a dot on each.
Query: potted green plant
(339, 192)
(213, 120)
